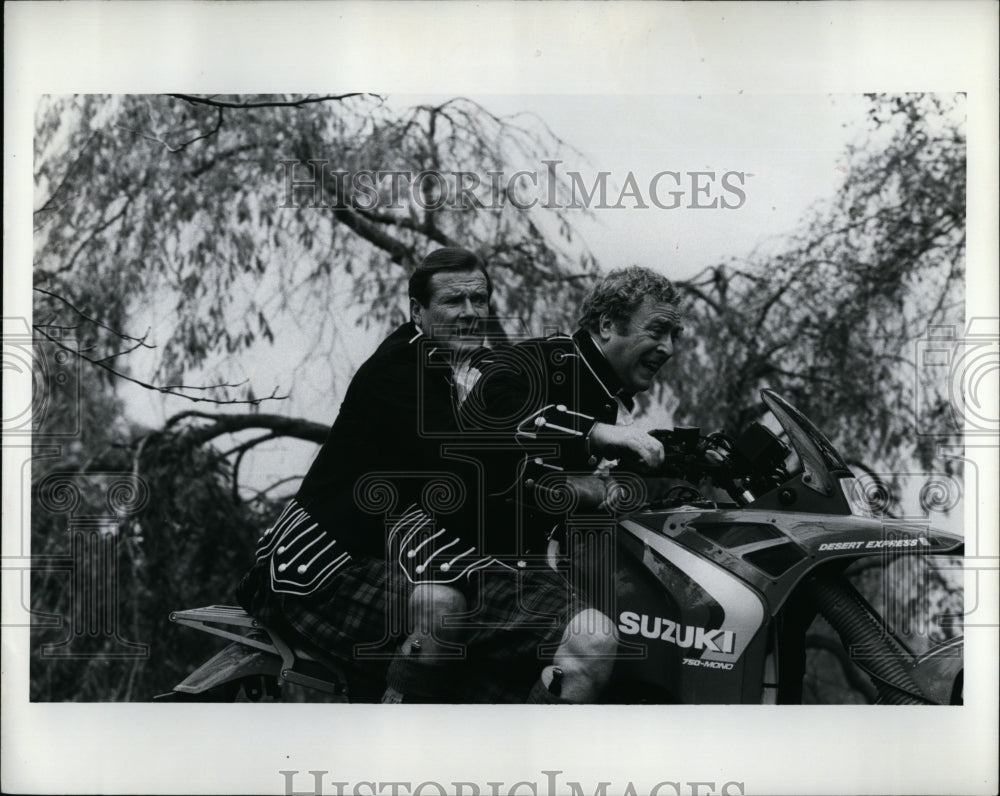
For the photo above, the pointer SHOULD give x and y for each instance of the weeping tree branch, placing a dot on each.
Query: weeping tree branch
(170, 389)
(241, 451)
(227, 424)
(173, 150)
(139, 341)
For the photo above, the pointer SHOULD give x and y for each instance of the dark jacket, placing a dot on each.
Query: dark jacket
(385, 443)
(384, 484)
(533, 408)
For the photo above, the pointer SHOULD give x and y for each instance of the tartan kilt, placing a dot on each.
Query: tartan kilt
(514, 623)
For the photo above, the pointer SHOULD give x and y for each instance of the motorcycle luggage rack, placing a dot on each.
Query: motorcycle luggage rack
(208, 618)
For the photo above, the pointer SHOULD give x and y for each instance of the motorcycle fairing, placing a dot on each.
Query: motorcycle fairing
(686, 625)
(775, 560)
(741, 606)
(740, 567)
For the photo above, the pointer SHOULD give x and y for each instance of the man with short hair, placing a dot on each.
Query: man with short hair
(327, 568)
(559, 411)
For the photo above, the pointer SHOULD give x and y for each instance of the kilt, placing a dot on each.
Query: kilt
(514, 623)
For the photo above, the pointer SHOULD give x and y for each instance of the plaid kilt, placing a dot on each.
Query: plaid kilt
(514, 623)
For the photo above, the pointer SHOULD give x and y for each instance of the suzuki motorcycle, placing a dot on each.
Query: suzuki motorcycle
(716, 584)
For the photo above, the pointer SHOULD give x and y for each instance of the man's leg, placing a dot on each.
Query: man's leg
(523, 620)
(424, 668)
(583, 661)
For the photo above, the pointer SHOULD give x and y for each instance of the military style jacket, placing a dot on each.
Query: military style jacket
(384, 484)
(533, 407)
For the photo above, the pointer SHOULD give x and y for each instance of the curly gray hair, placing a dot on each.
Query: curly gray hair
(619, 294)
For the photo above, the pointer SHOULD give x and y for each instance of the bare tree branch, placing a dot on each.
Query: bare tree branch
(173, 150)
(272, 103)
(228, 424)
(260, 494)
(245, 446)
(171, 389)
(139, 341)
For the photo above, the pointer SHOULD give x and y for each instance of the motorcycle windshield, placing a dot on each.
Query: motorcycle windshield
(822, 464)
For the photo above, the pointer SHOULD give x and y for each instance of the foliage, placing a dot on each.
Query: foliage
(178, 209)
(185, 547)
(831, 319)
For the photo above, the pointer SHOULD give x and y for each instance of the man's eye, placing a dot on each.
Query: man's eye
(661, 332)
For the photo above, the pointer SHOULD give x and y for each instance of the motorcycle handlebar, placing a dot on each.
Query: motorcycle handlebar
(754, 463)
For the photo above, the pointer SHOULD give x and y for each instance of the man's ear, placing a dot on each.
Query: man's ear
(605, 327)
(416, 313)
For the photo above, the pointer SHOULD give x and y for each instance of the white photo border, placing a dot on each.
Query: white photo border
(501, 48)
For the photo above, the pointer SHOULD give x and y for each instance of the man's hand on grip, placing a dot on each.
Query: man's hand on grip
(628, 443)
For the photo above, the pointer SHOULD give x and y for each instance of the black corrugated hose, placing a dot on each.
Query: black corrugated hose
(861, 631)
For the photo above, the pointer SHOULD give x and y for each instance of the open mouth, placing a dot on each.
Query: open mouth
(652, 366)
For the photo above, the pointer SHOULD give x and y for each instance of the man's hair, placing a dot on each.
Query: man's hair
(620, 293)
(446, 260)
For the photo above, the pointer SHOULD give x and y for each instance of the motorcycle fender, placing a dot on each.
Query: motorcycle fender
(938, 672)
(232, 663)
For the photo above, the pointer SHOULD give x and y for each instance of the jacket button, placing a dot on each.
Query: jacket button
(608, 407)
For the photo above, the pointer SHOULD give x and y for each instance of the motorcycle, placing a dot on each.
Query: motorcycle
(716, 584)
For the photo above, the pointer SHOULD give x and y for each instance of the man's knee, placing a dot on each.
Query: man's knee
(591, 634)
(430, 603)
(438, 599)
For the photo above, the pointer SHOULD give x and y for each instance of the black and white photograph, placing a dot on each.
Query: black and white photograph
(612, 419)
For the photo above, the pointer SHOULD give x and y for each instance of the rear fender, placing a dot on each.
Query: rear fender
(233, 663)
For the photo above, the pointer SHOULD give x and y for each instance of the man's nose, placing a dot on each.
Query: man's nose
(468, 309)
(665, 345)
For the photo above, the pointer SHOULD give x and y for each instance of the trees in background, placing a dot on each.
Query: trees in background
(187, 210)
(169, 245)
(832, 315)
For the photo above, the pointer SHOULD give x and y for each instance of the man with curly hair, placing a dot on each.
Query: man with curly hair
(559, 413)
